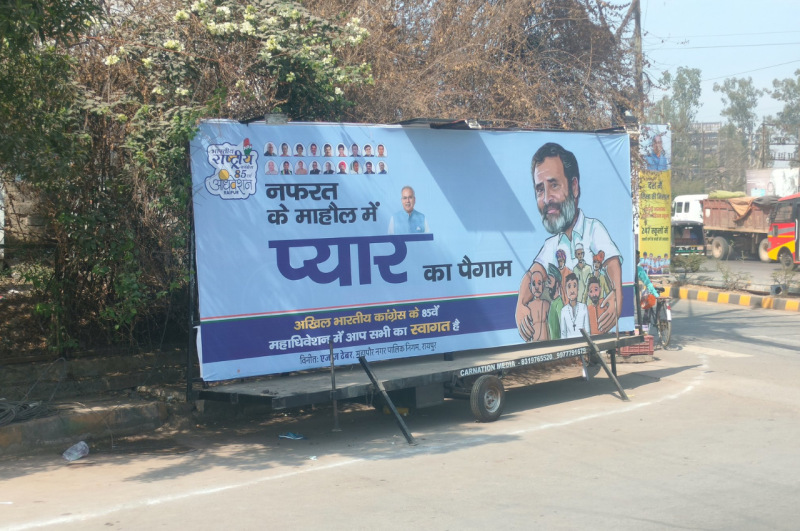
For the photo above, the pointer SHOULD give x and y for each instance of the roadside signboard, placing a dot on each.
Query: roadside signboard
(655, 199)
(395, 241)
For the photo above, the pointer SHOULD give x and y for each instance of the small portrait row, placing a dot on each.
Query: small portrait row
(327, 168)
(299, 150)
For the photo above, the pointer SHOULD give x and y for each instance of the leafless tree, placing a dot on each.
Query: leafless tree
(519, 63)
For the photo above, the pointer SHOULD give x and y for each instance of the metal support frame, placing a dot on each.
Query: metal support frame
(616, 345)
(613, 354)
(605, 367)
(585, 366)
(190, 347)
(378, 385)
(333, 391)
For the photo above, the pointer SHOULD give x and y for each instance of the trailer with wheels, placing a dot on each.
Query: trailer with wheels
(437, 255)
(473, 376)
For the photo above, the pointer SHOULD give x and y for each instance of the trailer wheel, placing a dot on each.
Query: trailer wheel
(720, 248)
(786, 259)
(487, 398)
(763, 250)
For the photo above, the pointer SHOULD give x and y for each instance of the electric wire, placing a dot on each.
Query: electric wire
(734, 46)
(722, 34)
(754, 70)
(23, 410)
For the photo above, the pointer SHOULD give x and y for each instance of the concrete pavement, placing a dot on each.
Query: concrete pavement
(708, 441)
(90, 420)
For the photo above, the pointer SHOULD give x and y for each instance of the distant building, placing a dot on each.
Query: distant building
(705, 138)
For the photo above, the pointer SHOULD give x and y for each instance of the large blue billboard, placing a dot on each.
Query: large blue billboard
(395, 241)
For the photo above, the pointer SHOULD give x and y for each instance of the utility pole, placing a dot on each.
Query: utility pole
(636, 6)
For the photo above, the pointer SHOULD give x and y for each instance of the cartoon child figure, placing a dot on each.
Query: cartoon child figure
(539, 308)
(594, 308)
(599, 271)
(583, 271)
(557, 303)
(561, 258)
(574, 316)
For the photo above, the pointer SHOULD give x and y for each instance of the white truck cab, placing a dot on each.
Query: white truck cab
(688, 208)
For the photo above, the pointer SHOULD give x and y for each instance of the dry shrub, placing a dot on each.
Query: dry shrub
(520, 63)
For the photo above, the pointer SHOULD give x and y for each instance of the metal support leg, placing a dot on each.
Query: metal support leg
(585, 368)
(333, 391)
(603, 363)
(192, 340)
(613, 353)
(378, 385)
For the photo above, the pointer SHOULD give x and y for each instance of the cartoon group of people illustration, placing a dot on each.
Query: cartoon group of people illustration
(563, 292)
(567, 301)
(655, 265)
(342, 167)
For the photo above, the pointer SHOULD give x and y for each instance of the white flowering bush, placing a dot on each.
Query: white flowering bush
(118, 110)
(289, 58)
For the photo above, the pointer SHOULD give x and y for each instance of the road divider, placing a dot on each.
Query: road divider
(739, 299)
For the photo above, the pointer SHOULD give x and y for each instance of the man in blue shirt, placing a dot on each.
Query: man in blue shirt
(408, 220)
(657, 158)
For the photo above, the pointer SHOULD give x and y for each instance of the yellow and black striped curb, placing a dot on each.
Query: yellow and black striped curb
(753, 301)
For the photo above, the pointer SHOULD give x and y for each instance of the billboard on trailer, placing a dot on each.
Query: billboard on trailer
(395, 241)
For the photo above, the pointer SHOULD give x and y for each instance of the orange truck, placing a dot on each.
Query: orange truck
(784, 232)
(740, 225)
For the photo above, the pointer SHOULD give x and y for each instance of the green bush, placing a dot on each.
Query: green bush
(688, 262)
(98, 133)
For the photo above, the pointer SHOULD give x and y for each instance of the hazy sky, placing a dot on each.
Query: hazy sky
(675, 29)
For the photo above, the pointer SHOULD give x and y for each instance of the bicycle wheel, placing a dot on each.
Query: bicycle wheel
(650, 319)
(664, 326)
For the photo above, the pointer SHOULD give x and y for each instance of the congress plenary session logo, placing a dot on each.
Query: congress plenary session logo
(235, 170)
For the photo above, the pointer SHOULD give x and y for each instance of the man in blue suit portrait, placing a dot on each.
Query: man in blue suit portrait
(408, 220)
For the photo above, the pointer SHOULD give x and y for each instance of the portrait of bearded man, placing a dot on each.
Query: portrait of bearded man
(557, 186)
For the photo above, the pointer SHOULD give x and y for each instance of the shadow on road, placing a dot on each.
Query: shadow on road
(253, 444)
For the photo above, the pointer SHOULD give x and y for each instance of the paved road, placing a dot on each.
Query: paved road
(709, 441)
(754, 270)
